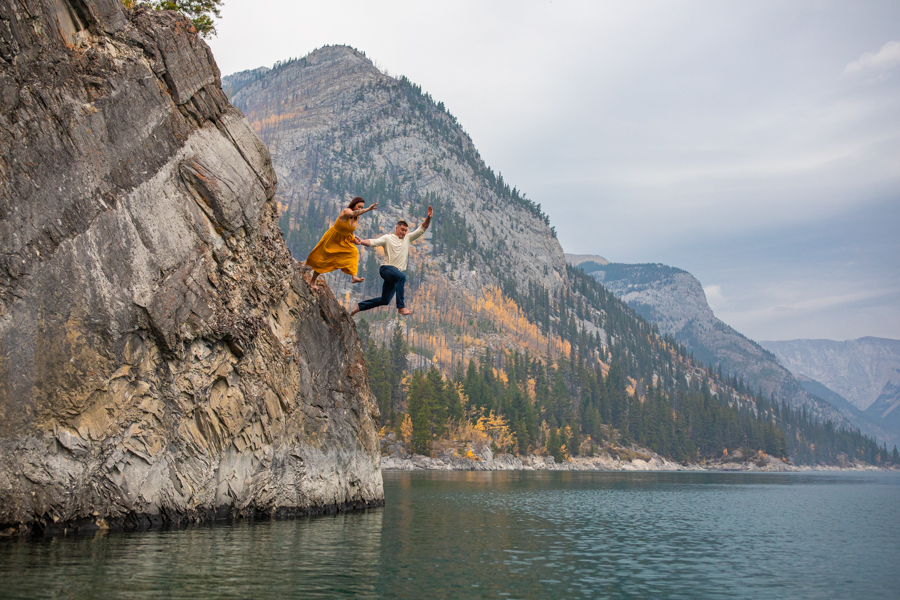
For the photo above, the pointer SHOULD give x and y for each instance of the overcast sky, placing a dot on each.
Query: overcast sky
(754, 144)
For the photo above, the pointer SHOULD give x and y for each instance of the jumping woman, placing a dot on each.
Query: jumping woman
(336, 249)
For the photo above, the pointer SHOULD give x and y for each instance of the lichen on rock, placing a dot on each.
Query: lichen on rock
(161, 358)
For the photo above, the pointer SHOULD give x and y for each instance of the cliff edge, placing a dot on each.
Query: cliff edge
(161, 358)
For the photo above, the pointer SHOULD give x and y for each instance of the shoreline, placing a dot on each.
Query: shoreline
(605, 462)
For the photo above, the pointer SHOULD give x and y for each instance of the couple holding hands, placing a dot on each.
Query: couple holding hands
(337, 250)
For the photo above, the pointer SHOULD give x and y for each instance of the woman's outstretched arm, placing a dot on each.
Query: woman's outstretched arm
(350, 214)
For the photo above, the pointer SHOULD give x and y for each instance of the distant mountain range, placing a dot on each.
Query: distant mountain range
(675, 302)
(864, 372)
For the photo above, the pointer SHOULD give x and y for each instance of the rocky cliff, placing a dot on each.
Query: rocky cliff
(161, 358)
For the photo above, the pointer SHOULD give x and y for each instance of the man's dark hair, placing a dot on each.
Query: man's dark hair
(402, 222)
(356, 201)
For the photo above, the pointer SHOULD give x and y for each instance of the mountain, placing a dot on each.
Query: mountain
(865, 371)
(243, 79)
(586, 261)
(675, 302)
(161, 359)
(519, 347)
(336, 125)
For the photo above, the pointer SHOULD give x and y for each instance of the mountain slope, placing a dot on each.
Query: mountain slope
(674, 300)
(865, 371)
(333, 124)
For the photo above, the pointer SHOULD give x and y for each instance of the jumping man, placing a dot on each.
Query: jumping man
(396, 250)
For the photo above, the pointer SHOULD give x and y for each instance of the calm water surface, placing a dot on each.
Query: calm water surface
(512, 535)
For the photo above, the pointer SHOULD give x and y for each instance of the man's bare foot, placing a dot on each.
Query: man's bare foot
(355, 279)
(354, 311)
(404, 311)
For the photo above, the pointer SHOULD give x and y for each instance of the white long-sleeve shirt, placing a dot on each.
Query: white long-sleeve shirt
(396, 251)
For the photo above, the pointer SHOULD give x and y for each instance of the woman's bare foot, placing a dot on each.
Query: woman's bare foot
(404, 311)
(355, 279)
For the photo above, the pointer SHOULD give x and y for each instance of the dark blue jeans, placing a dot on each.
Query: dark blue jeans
(394, 281)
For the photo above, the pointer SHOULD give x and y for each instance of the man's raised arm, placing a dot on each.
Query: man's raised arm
(421, 228)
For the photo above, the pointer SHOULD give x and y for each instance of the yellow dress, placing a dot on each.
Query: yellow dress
(335, 250)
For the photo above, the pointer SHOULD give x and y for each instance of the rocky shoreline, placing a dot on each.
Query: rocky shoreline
(604, 462)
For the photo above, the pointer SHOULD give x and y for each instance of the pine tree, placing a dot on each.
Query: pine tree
(554, 445)
(199, 12)
(398, 365)
(420, 403)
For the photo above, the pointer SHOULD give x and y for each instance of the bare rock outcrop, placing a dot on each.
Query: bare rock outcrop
(161, 358)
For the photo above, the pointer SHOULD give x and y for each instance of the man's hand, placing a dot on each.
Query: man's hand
(429, 212)
(427, 219)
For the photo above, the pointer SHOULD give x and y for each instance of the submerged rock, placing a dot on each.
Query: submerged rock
(161, 358)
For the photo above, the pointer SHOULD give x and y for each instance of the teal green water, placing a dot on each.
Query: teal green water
(512, 535)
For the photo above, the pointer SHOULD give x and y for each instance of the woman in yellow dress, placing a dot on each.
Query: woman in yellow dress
(336, 249)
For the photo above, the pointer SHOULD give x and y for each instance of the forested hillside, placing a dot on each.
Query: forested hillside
(505, 338)
(674, 301)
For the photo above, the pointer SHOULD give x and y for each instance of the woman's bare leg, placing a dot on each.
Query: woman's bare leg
(312, 280)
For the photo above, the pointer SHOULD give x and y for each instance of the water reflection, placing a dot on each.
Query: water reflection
(512, 535)
(627, 535)
(321, 557)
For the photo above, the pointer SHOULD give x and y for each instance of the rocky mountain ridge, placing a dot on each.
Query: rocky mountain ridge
(161, 358)
(865, 371)
(674, 301)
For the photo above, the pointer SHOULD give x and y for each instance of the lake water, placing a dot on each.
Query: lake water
(512, 535)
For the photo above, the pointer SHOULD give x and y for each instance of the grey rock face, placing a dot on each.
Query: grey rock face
(161, 358)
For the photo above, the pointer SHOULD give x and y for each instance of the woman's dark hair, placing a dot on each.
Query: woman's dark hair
(356, 201)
